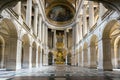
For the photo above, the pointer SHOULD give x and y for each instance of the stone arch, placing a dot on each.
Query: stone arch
(25, 51)
(9, 32)
(85, 54)
(50, 58)
(34, 48)
(109, 28)
(93, 51)
(43, 56)
(108, 33)
(10, 28)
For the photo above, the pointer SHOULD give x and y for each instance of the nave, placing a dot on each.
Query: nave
(60, 72)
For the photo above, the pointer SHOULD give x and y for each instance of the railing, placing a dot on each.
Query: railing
(16, 16)
(106, 14)
(91, 29)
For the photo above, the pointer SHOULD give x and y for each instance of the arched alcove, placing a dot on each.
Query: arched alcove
(109, 32)
(25, 51)
(93, 51)
(9, 33)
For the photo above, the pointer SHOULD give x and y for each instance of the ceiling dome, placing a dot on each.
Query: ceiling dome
(60, 13)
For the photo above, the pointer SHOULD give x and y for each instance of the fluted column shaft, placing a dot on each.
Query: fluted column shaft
(35, 19)
(91, 14)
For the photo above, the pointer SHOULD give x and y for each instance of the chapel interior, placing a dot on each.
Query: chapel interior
(59, 39)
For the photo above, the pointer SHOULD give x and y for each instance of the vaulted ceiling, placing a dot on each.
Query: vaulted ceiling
(57, 10)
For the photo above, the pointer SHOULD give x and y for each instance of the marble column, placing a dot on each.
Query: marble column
(41, 58)
(46, 43)
(100, 55)
(75, 59)
(89, 56)
(80, 29)
(73, 35)
(77, 33)
(35, 19)
(39, 27)
(37, 57)
(54, 38)
(74, 42)
(18, 55)
(46, 60)
(30, 56)
(44, 29)
(46, 35)
(65, 38)
(29, 13)
(84, 20)
(82, 58)
(78, 57)
(91, 14)
(66, 60)
(43, 33)
(53, 62)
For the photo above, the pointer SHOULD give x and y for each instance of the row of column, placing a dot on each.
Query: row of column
(82, 27)
(35, 27)
(81, 24)
(45, 43)
(91, 57)
(42, 32)
(39, 28)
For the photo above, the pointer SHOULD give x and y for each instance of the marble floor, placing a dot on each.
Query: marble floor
(59, 72)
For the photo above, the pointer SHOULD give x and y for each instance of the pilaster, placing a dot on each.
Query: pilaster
(29, 13)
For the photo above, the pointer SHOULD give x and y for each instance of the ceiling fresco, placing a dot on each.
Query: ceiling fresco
(59, 12)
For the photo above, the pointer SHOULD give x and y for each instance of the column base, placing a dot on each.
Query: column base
(105, 69)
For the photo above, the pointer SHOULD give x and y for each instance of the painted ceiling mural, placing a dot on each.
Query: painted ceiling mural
(60, 13)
